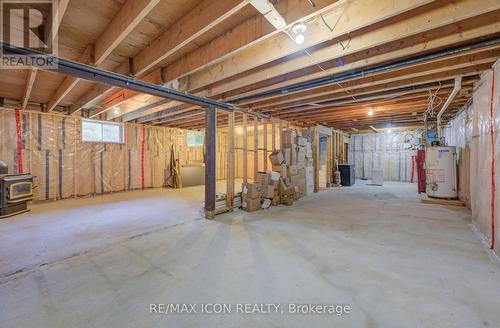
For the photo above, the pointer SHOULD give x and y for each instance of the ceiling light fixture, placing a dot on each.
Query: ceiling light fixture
(299, 39)
(116, 110)
(299, 29)
(370, 113)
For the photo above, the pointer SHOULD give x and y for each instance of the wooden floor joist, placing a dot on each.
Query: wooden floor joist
(228, 50)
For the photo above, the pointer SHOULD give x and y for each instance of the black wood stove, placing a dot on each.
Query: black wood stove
(15, 192)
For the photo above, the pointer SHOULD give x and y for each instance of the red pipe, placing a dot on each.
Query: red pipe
(492, 135)
(19, 142)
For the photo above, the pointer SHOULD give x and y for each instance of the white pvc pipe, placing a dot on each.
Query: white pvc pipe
(456, 88)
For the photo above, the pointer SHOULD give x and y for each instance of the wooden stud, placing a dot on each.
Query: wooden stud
(210, 161)
(281, 133)
(316, 161)
(264, 133)
(245, 149)
(255, 146)
(329, 160)
(230, 161)
(273, 135)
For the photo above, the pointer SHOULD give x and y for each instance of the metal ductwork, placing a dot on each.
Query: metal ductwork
(456, 89)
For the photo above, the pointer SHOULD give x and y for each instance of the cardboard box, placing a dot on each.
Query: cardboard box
(251, 190)
(285, 190)
(295, 180)
(276, 157)
(301, 154)
(250, 205)
(293, 155)
(309, 173)
(281, 169)
(268, 191)
(309, 151)
(293, 170)
(268, 178)
(273, 177)
(262, 178)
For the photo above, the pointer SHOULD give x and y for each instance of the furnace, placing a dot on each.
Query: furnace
(16, 190)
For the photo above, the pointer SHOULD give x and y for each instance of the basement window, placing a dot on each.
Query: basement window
(98, 131)
(195, 139)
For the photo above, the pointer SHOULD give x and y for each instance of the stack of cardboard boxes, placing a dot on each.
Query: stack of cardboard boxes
(291, 178)
(251, 196)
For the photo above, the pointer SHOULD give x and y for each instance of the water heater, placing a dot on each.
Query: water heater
(441, 172)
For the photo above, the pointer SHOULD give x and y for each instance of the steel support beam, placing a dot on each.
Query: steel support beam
(94, 74)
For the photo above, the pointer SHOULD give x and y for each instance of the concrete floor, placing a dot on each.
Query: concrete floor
(395, 261)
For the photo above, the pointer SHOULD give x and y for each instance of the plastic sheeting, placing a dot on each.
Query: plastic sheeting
(471, 131)
(481, 155)
(64, 166)
(459, 133)
(391, 152)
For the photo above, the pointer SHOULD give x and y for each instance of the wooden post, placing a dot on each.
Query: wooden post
(334, 134)
(230, 161)
(210, 170)
(343, 160)
(264, 133)
(329, 161)
(255, 146)
(281, 134)
(273, 129)
(316, 162)
(245, 149)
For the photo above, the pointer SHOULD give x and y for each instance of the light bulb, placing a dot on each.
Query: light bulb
(299, 28)
(299, 39)
(389, 131)
(370, 113)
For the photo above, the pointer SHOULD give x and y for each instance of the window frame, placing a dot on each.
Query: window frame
(202, 133)
(102, 124)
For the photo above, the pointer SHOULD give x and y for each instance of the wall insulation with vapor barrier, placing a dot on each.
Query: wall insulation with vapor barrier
(394, 153)
(475, 132)
(50, 147)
